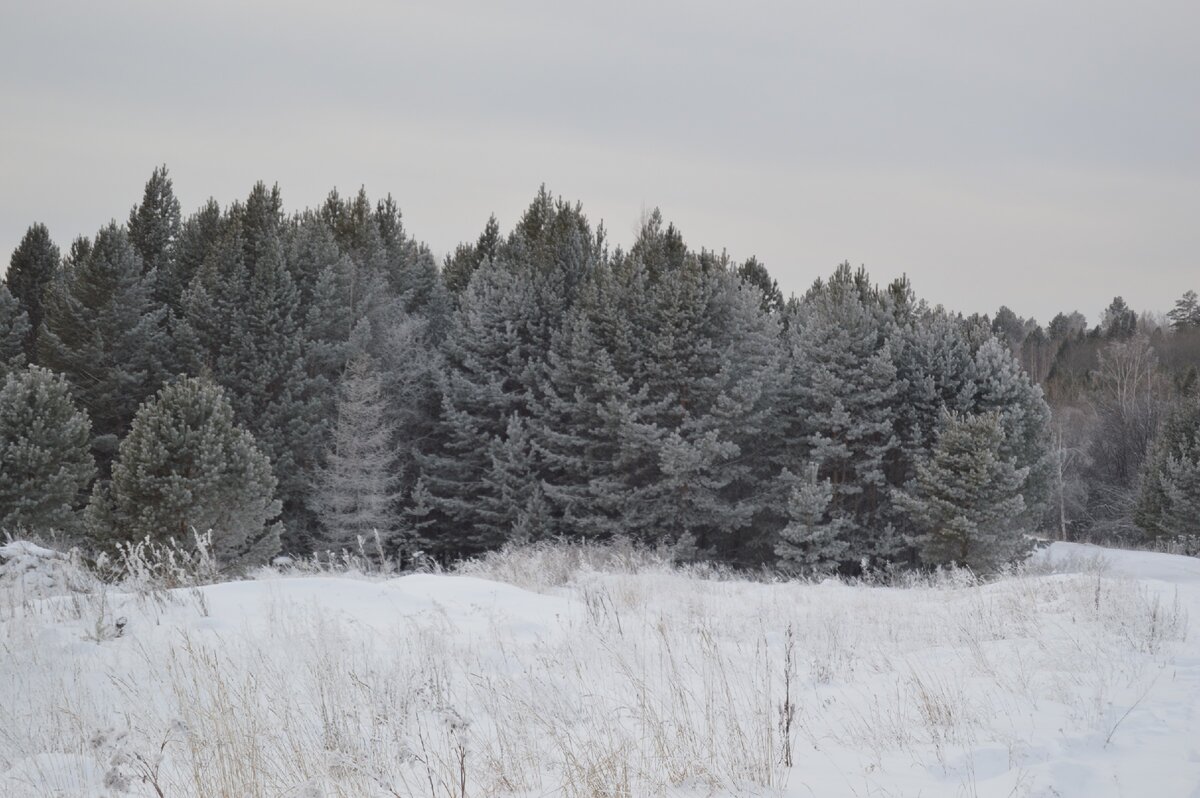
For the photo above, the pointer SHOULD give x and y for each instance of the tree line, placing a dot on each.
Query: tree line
(296, 382)
(1126, 413)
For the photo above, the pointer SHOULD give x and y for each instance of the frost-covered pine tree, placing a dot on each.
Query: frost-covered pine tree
(756, 274)
(243, 327)
(811, 540)
(842, 405)
(1168, 503)
(1002, 387)
(273, 395)
(460, 265)
(32, 267)
(154, 224)
(513, 504)
(577, 424)
(494, 357)
(356, 489)
(966, 500)
(14, 331)
(712, 376)
(46, 463)
(186, 467)
(104, 332)
(490, 357)
(935, 366)
(198, 235)
(410, 363)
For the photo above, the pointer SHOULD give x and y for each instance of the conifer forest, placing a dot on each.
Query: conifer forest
(299, 381)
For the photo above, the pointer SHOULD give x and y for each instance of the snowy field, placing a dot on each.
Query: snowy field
(591, 673)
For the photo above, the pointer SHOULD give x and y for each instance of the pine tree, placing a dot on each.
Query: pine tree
(1119, 321)
(410, 369)
(261, 220)
(512, 505)
(1004, 388)
(459, 266)
(966, 498)
(1168, 503)
(577, 426)
(33, 266)
(103, 331)
(45, 461)
(1009, 328)
(262, 365)
(811, 540)
(311, 250)
(1186, 313)
(410, 271)
(243, 326)
(356, 489)
(495, 354)
(756, 274)
(491, 357)
(935, 367)
(712, 377)
(14, 331)
(1064, 326)
(842, 405)
(154, 225)
(198, 236)
(185, 466)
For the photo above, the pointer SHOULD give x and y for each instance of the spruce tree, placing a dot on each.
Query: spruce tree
(491, 357)
(186, 467)
(45, 461)
(356, 489)
(34, 263)
(242, 325)
(14, 331)
(966, 500)
(658, 390)
(495, 353)
(262, 365)
(104, 332)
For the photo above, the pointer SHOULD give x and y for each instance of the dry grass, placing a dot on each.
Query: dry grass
(652, 680)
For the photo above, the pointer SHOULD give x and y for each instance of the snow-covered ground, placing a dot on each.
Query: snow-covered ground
(1078, 676)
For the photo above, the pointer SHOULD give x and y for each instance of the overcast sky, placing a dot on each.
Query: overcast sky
(1040, 155)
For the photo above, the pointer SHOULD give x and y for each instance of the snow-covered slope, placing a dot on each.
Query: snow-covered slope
(1077, 677)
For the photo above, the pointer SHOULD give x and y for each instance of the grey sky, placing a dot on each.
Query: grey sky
(1041, 155)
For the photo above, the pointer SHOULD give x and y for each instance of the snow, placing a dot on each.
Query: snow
(1078, 677)
(1142, 565)
(23, 548)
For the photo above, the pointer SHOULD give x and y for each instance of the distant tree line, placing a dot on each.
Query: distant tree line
(296, 382)
(1124, 398)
